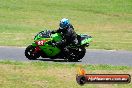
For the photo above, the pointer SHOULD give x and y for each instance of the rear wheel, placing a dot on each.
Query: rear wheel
(81, 53)
(76, 55)
(30, 53)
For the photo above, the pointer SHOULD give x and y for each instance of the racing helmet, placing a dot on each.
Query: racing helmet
(64, 23)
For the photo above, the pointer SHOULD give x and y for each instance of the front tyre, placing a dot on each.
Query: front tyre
(29, 53)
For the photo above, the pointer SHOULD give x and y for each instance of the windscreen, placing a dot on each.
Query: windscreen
(45, 34)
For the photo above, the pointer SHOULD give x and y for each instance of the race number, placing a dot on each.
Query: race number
(41, 43)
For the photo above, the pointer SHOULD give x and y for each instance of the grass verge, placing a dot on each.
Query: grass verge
(15, 74)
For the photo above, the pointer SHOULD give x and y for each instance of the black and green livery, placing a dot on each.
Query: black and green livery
(42, 46)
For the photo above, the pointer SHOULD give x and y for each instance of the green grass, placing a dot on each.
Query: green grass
(108, 21)
(14, 74)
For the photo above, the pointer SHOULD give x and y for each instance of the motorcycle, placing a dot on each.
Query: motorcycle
(43, 46)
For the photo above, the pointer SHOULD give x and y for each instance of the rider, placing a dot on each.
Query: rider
(68, 34)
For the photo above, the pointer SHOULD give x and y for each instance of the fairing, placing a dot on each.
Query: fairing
(48, 49)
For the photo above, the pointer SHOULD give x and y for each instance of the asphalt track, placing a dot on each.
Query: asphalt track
(92, 56)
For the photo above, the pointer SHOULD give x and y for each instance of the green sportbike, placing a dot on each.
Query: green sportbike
(42, 46)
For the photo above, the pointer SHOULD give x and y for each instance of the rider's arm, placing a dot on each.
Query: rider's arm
(56, 31)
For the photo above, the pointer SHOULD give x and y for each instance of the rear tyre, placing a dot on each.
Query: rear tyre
(76, 55)
(81, 53)
(29, 53)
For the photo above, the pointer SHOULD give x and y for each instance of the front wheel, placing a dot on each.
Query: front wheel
(30, 53)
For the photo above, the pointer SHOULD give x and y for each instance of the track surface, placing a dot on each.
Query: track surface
(91, 57)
